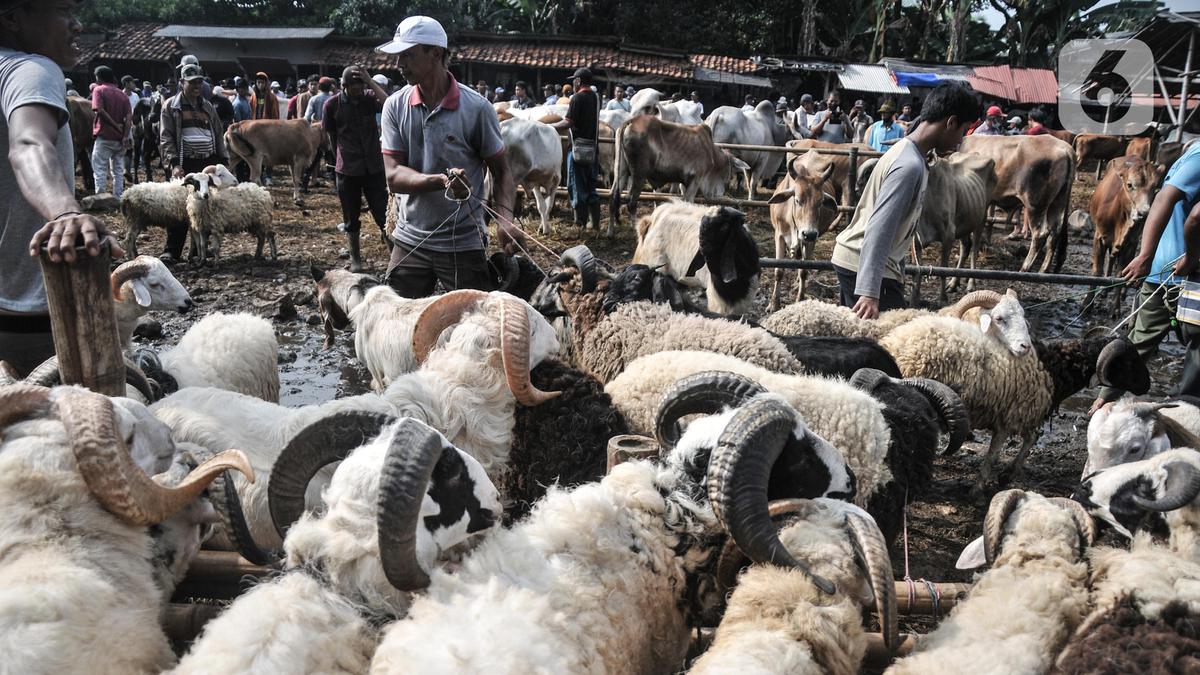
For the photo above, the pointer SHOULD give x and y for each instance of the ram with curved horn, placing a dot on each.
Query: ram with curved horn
(46, 374)
(104, 518)
(467, 387)
(886, 430)
(400, 498)
(769, 623)
(1129, 430)
(607, 576)
(1020, 612)
(142, 285)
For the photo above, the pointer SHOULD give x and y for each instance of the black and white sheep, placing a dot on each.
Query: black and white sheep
(1009, 394)
(778, 621)
(92, 547)
(1129, 430)
(878, 424)
(605, 577)
(395, 505)
(1020, 612)
(467, 388)
(705, 247)
(213, 213)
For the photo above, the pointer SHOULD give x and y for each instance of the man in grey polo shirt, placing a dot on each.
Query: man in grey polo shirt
(438, 138)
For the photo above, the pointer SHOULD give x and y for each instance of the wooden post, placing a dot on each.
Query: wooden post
(626, 447)
(84, 321)
(852, 176)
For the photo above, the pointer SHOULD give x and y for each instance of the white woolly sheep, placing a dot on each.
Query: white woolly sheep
(213, 213)
(1010, 395)
(466, 388)
(234, 352)
(321, 615)
(141, 285)
(1129, 430)
(705, 247)
(1019, 613)
(383, 321)
(163, 205)
(92, 547)
(777, 621)
(999, 316)
(852, 420)
(603, 578)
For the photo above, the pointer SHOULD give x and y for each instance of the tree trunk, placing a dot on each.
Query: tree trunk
(960, 13)
(808, 28)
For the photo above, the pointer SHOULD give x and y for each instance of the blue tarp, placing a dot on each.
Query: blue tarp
(917, 79)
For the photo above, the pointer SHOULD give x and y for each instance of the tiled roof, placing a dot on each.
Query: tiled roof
(134, 42)
(568, 56)
(345, 54)
(728, 64)
(245, 32)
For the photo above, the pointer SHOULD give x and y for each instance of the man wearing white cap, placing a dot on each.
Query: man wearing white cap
(438, 139)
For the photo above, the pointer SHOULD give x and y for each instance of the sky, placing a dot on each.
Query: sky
(996, 19)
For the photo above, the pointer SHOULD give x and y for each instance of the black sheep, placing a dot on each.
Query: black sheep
(729, 252)
(1124, 641)
(564, 440)
(515, 274)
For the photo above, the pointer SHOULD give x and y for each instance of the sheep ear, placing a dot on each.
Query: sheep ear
(141, 293)
(972, 556)
(985, 321)
(697, 263)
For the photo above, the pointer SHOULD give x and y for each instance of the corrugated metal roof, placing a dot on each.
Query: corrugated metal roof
(877, 79)
(1022, 85)
(244, 33)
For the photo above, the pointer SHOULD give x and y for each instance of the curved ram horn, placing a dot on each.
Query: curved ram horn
(116, 481)
(224, 497)
(867, 379)
(46, 373)
(580, 257)
(1001, 507)
(440, 314)
(1180, 488)
(514, 351)
(950, 407)
(136, 268)
(1083, 521)
(700, 393)
(731, 560)
(8, 374)
(327, 440)
(873, 550)
(19, 402)
(403, 482)
(738, 472)
(985, 299)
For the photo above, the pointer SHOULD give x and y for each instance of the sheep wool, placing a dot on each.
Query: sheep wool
(234, 352)
(245, 207)
(152, 205)
(383, 326)
(641, 328)
(818, 318)
(851, 420)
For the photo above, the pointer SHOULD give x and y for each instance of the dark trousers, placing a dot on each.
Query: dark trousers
(1151, 325)
(352, 189)
(414, 273)
(581, 182)
(25, 341)
(177, 236)
(891, 292)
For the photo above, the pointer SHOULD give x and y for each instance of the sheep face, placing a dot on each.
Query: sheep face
(634, 283)
(477, 332)
(460, 501)
(1006, 322)
(198, 184)
(177, 540)
(335, 290)
(1119, 433)
(152, 284)
(149, 440)
(220, 175)
(1135, 496)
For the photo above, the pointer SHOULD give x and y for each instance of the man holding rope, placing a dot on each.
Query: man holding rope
(438, 138)
(1169, 251)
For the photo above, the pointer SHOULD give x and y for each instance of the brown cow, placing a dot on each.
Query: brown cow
(275, 142)
(802, 208)
(79, 110)
(649, 149)
(841, 164)
(1036, 173)
(1102, 147)
(1118, 207)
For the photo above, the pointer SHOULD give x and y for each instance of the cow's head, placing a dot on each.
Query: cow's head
(811, 207)
(1139, 179)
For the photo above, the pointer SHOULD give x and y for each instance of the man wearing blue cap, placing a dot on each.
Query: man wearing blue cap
(438, 139)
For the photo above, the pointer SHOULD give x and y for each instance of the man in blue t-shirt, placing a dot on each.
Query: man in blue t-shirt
(1164, 261)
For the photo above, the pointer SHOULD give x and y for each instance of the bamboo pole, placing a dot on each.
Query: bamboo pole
(183, 621)
(922, 600)
(224, 566)
(993, 275)
(84, 321)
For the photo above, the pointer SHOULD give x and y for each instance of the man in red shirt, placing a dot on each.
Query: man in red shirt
(112, 116)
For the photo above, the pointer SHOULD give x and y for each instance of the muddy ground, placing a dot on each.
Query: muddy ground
(943, 518)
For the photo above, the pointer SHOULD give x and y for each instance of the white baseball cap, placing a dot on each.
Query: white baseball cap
(380, 79)
(413, 31)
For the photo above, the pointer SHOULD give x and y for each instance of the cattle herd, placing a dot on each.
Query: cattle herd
(611, 467)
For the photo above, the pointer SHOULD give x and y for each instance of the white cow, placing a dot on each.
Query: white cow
(757, 127)
(649, 102)
(535, 158)
(614, 118)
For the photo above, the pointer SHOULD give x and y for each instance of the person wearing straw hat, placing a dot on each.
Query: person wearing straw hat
(884, 133)
(37, 40)
(1167, 256)
(439, 137)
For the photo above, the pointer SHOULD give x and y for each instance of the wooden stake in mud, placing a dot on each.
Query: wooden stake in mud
(84, 321)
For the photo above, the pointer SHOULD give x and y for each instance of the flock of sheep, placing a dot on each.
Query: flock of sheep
(463, 517)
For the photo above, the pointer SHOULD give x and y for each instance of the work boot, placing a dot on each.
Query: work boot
(581, 216)
(594, 212)
(355, 251)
